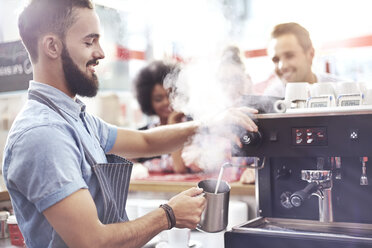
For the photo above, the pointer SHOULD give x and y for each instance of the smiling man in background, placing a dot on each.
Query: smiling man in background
(292, 53)
(66, 190)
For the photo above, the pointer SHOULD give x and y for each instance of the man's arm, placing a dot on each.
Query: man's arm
(75, 219)
(154, 141)
(169, 138)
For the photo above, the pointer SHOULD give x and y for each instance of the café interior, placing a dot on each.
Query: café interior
(193, 33)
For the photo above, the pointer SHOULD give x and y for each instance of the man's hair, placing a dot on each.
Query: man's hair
(47, 16)
(297, 30)
(145, 81)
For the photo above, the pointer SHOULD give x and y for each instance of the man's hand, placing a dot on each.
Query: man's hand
(188, 207)
(224, 122)
(234, 116)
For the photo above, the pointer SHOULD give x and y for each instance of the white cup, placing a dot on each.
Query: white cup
(281, 106)
(297, 91)
(238, 213)
(322, 89)
(368, 97)
(178, 237)
(347, 88)
(363, 88)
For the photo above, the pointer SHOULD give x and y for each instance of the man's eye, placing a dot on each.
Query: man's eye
(289, 56)
(88, 44)
(275, 60)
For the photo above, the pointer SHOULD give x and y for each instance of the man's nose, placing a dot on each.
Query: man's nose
(280, 65)
(99, 53)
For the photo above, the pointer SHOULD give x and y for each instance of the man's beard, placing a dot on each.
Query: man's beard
(77, 82)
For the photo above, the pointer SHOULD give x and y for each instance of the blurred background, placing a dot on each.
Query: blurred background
(136, 32)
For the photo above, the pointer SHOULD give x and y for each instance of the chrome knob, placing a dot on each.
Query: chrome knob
(251, 138)
(316, 175)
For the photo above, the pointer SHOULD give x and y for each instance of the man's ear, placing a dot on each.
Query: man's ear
(51, 46)
(312, 52)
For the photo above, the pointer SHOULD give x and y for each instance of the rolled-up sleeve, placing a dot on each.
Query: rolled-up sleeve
(107, 133)
(46, 166)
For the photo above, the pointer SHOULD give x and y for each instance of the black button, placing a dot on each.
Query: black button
(273, 136)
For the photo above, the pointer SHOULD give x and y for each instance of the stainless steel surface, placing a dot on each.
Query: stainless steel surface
(363, 178)
(258, 164)
(215, 216)
(323, 179)
(316, 175)
(301, 228)
(325, 206)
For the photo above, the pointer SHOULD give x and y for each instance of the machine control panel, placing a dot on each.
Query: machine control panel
(309, 136)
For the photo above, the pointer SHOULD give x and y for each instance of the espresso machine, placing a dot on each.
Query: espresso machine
(312, 172)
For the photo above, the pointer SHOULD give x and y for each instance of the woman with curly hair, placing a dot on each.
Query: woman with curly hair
(154, 101)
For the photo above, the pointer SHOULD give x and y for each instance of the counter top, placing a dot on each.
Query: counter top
(237, 188)
(4, 196)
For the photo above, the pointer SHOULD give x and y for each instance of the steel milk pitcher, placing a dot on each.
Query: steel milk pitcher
(215, 216)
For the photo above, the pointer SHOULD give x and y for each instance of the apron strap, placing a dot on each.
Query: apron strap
(34, 95)
(113, 177)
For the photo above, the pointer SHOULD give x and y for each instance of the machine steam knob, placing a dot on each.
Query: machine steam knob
(251, 138)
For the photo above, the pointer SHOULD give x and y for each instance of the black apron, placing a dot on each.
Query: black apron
(113, 176)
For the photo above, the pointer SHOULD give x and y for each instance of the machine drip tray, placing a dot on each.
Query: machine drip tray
(306, 228)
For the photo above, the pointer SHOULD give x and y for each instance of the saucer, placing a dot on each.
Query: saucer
(192, 244)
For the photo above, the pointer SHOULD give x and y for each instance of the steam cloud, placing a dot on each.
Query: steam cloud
(203, 88)
(211, 80)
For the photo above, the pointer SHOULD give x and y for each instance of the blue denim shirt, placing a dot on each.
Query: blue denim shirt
(44, 160)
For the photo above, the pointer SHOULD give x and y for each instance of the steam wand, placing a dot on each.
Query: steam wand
(256, 165)
(228, 164)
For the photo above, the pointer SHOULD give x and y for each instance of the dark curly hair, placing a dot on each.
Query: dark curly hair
(146, 80)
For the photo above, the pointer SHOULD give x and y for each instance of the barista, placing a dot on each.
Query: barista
(66, 191)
